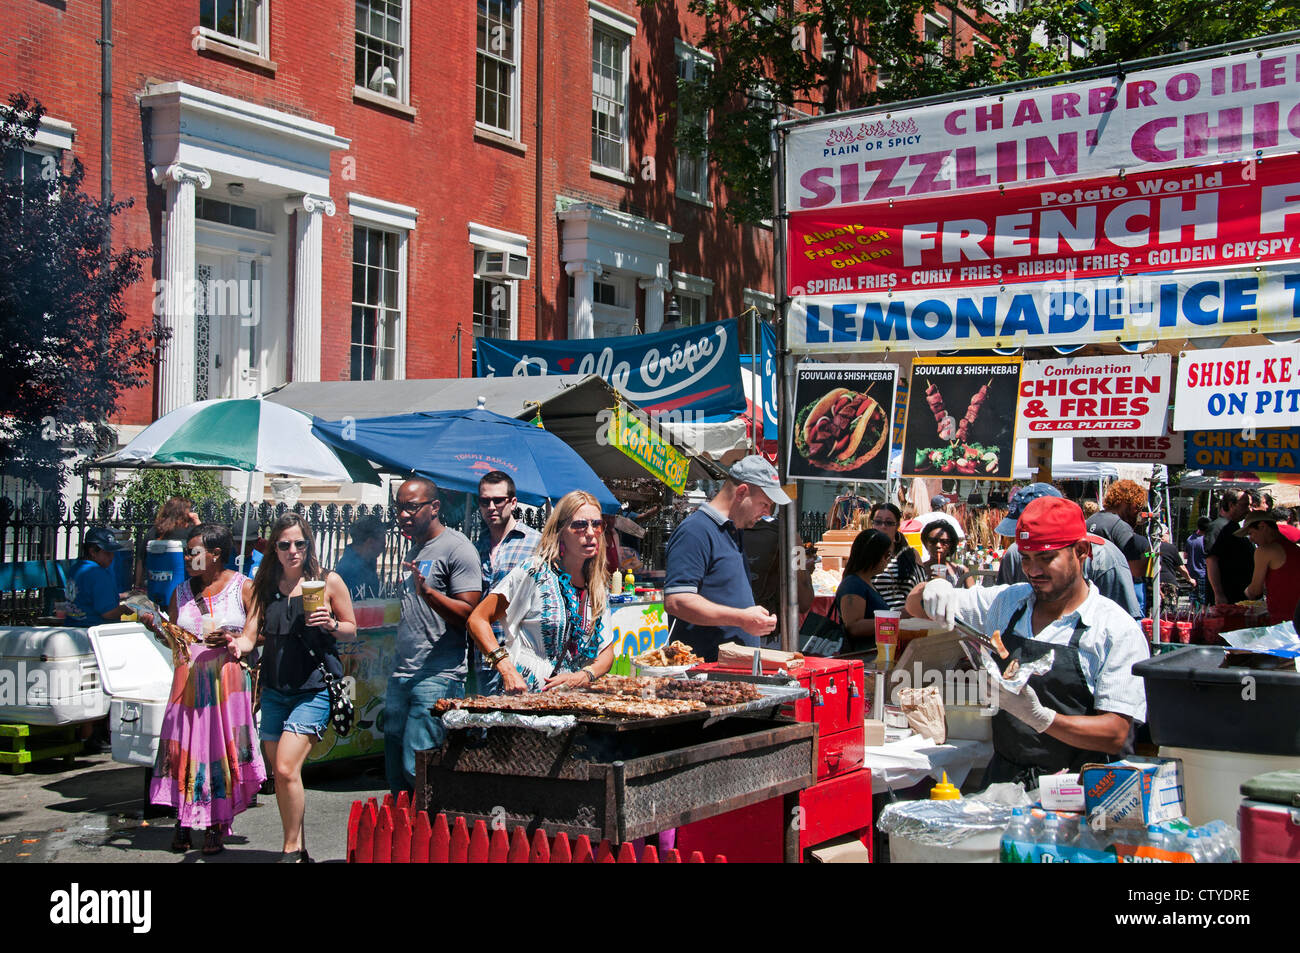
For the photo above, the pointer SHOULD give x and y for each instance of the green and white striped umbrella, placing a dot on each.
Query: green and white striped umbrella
(249, 435)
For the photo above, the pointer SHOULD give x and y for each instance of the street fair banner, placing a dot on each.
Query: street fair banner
(1110, 310)
(1082, 211)
(843, 415)
(958, 424)
(1242, 388)
(633, 433)
(693, 370)
(1126, 395)
(1246, 455)
(1167, 448)
(766, 368)
(1240, 106)
(1223, 217)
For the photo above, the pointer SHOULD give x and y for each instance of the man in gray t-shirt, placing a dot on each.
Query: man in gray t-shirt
(442, 590)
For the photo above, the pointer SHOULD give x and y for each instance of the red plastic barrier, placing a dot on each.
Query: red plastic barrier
(382, 833)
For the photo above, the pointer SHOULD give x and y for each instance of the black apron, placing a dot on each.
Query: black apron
(1022, 754)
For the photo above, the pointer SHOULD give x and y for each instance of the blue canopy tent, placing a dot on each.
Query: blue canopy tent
(455, 448)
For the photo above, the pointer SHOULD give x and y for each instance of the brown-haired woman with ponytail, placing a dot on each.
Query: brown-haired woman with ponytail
(295, 701)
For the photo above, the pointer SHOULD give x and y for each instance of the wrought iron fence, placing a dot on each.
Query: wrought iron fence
(37, 534)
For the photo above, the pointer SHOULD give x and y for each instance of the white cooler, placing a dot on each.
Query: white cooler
(137, 673)
(48, 676)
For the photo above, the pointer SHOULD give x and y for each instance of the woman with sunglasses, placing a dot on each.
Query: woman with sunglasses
(552, 606)
(904, 570)
(208, 766)
(295, 700)
(940, 540)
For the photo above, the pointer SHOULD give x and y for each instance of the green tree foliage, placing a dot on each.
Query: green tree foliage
(770, 60)
(148, 490)
(66, 356)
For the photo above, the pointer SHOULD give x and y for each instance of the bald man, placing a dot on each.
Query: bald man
(444, 586)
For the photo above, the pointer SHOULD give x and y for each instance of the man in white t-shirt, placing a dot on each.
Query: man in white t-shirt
(1082, 708)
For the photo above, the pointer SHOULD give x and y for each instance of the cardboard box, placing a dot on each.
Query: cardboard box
(1061, 792)
(875, 731)
(1134, 792)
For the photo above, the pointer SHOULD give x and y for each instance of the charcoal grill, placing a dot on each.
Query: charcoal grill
(618, 779)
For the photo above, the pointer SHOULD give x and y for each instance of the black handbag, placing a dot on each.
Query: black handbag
(822, 634)
(342, 713)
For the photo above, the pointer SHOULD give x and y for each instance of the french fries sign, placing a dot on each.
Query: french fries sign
(961, 418)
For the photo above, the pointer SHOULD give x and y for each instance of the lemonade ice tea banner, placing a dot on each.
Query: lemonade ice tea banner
(1240, 388)
(1261, 299)
(1238, 106)
(1124, 395)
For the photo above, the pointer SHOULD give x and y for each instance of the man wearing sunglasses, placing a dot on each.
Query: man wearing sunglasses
(443, 588)
(505, 545)
(707, 592)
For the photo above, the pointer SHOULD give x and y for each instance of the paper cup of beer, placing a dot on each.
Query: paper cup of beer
(313, 596)
(887, 622)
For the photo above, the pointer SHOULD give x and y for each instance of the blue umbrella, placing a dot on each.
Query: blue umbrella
(455, 448)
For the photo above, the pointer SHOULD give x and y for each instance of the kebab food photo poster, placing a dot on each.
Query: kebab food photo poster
(961, 418)
(842, 421)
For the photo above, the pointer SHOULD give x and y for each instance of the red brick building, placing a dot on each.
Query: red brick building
(353, 190)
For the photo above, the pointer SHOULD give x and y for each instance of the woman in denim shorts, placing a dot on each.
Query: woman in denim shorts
(295, 701)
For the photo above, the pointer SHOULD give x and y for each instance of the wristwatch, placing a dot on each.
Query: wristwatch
(336, 626)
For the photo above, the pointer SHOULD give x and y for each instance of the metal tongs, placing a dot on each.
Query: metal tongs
(973, 635)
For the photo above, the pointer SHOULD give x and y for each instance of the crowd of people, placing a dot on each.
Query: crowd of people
(523, 611)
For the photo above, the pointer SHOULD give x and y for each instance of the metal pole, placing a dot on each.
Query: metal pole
(756, 377)
(788, 526)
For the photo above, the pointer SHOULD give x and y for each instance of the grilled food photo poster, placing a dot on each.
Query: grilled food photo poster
(843, 417)
(961, 418)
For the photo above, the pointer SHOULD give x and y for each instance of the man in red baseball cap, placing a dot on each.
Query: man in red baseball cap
(1082, 706)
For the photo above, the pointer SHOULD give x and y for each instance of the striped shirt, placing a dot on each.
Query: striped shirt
(895, 582)
(516, 547)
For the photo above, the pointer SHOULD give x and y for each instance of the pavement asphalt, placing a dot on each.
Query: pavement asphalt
(91, 810)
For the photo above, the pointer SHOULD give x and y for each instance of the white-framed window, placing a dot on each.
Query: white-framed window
(243, 24)
(224, 213)
(692, 293)
(936, 31)
(382, 38)
(500, 263)
(42, 155)
(496, 104)
(380, 235)
(611, 41)
(692, 169)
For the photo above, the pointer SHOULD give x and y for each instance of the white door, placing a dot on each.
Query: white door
(228, 318)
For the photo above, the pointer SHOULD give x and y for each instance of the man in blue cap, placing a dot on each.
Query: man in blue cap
(707, 592)
(92, 590)
(1107, 568)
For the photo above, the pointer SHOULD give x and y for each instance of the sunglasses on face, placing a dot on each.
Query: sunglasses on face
(580, 526)
(285, 545)
(412, 506)
(880, 522)
(492, 500)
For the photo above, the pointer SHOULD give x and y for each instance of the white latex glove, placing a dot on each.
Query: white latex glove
(1027, 708)
(939, 601)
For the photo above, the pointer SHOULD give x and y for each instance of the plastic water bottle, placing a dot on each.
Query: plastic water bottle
(1198, 845)
(1085, 838)
(1052, 837)
(1018, 831)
